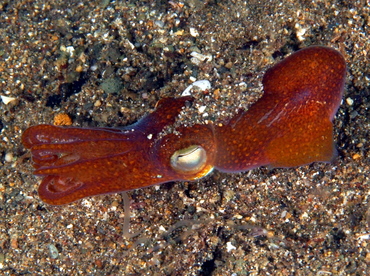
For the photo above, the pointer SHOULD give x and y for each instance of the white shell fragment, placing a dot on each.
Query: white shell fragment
(202, 85)
(230, 247)
(300, 32)
(202, 108)
(7, 99)
(70, 50)
(197, 58)
(194, 32)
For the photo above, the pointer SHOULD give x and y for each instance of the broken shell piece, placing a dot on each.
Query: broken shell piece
(197, 58)
(193, 32)
(7, 99)
(202, 85)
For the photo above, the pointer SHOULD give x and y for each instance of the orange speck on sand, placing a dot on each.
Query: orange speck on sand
(356, 156)
(62, 119)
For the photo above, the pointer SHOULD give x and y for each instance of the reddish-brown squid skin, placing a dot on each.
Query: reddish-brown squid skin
(290, 125)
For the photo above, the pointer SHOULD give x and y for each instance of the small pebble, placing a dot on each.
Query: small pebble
(192, 79)
(356, 156)
(97, 103)
(79, 69)
(14, 242)
(54, 253)
(9, 157)
(159, 23)
(229, 65)
(349, 101)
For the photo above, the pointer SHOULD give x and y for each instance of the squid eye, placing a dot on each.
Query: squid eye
(189, 160)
